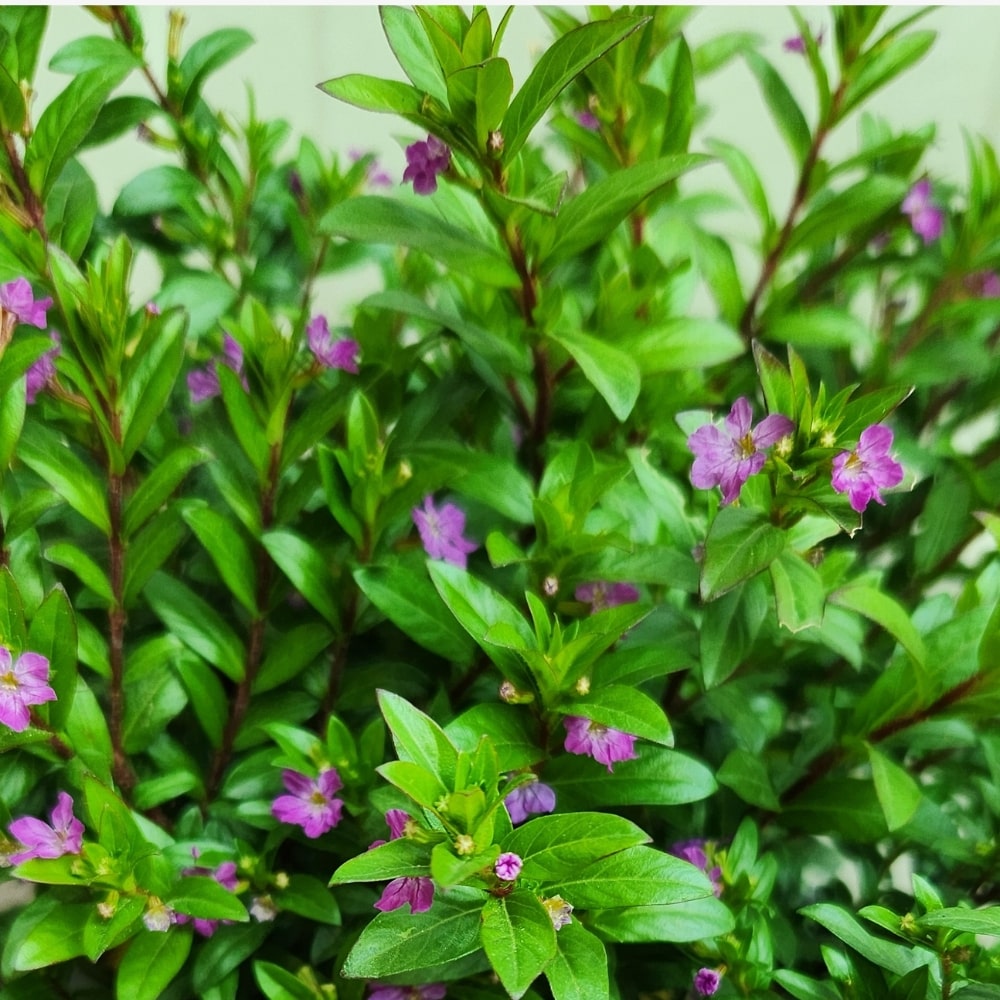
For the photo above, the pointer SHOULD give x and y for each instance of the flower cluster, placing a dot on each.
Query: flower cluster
(425, 160)
(310, 802)
(926, 217)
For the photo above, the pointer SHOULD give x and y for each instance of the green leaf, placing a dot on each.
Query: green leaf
(206, 56)
(959, 918)
(895, 957)
(784, 109)
(658, 777)
(43, 452)
(612, 372)
(740, 544)
(413, 51)
(371, 219)
(478, 609)
(743, 172)
(746, 774)
(624, 709)
(399, 858)
(820, 327)
(579, 970)
(87, 731)
(151, 962)
(48, 931)
(409, 601)
(205, 695)
(418, 738)
(25, 26)
(90, 574)
(310, 898)
(160, 484)
(197, 624)
(65, 123)
(695, 920)
(159, 189)
(229, 552)
(245, 422)
(682, 344)
(883, 61)
(373, 94)
(507, 728)
(94, 52)
(306, 568)
(149, 549)
(53, 634)
(559, 65)
(885, 611)
(276, 983)
(201, 896)
(898, 793)
(518, 938)
(228, 949)
(401, 942)
(71, 209)
(638, 876)
(803, 988)
(557, 847)
(799, 593)
(595, 213)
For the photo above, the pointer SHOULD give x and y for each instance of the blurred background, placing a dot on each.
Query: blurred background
(955, 85)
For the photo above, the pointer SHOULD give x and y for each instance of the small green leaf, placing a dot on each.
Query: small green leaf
(201, 896)
(885, 611)
(579, 970)
(898, 793)
(413, 51)
(746, 774)
(695, 920)
(372, 94)
(228, 550)
(682, 344)
(959, 918)
(399, 858)
(799, 593)
(371, 219)
(306, 568)
(740, 544)
(624, 709)
(785, 110)
(93, 52)
(612, 372)
(205, 56)
(418, 738)
(897, 958)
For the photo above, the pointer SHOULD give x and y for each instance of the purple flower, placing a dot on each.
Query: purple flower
(425, 160)
(152, 309)
(926, 218)
(330, 353)
(42, 371)
(311, 804)
(417, 891)
(706, 982)
(604, 744)
(729, 456)
(588, 120)
(601, 594)
(528, 799)
(40, 840)
(441, 532)
(203, 383)
(508, 866)
(430, 991)
(16, 297)
(375, 175)
(23, 682)
(397, 820)
(984, 284)
(798, 43)
(863, 472)
(693, 852)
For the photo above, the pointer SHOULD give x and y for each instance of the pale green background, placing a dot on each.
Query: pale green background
(298, 47)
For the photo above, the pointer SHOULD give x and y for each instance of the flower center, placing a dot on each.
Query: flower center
(746, 445)
(9, 681)
(317, 798)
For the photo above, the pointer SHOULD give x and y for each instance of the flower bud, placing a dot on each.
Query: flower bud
(464, 844)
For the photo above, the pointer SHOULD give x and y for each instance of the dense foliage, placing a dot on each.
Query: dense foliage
(605, 613)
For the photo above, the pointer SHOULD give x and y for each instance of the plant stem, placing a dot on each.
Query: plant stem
(255, 639)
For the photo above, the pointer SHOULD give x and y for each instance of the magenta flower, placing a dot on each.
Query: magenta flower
(43, 371)
(508, 866)
(528, 799)
(588, 120)
(396, 820)
(601, 594)
(863, 472)
(40, 840)
(425, 160)
(330, 353)
(375, 175)
(706, 982)
(23, 682)
(311, 804)
(693, 852)
(729, 456)
(926, 218)
(430, 991)
(441, 532)
(417, 891)
(203, 383)
(798, 43)
(16, 297)
(984, 284)
(604, 744)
